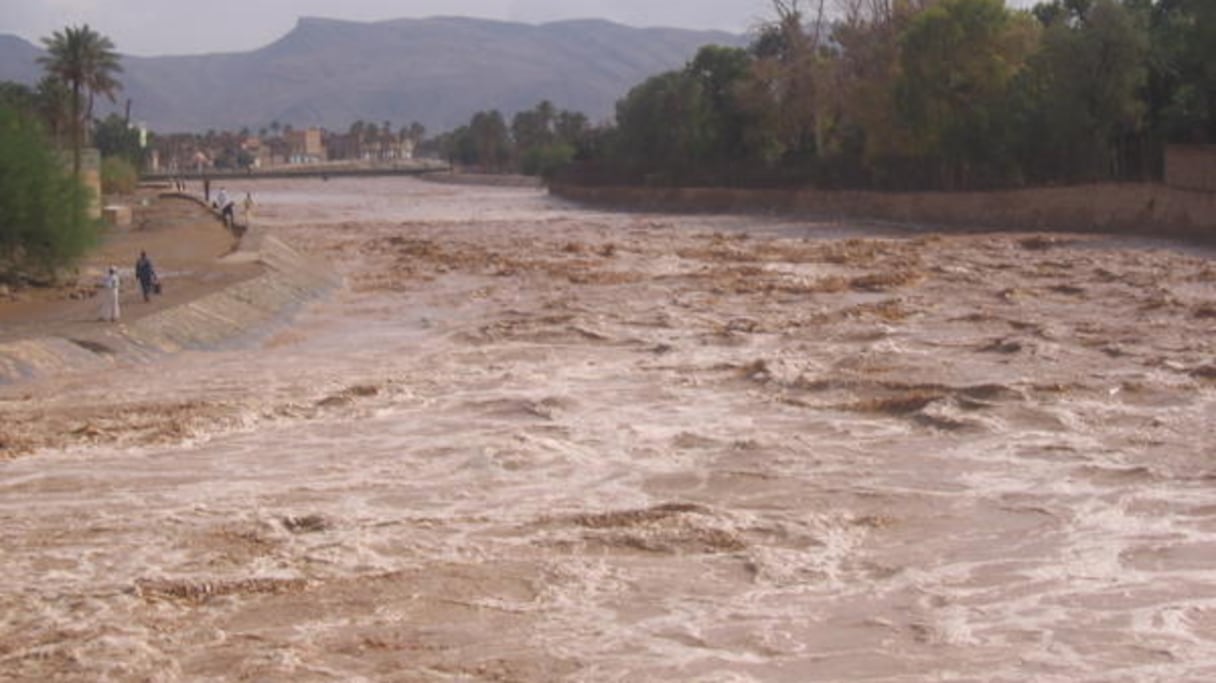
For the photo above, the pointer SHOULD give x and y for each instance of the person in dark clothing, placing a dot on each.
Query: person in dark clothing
(226, 206)
(146, 275)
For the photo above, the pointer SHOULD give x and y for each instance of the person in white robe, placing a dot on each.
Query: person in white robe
(109, 295)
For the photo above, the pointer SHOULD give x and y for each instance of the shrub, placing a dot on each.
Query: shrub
(546, 160)
(43, 219)
(118, 176)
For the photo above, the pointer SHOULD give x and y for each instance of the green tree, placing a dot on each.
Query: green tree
(721, 72)
(1197, 104)
(356, 133)
(1181, 92)
(663, 124)
(415, 132)
(546, 139)
(793, 78)
(55, 107)
(118, 176)
(19, 97)
(534, 127)
(949, 94)
(43, 224)
(85, 61)
(867, 70)
(114, 137)
(958, 59)
(1083, 90)
(491, 140)
(571, 127)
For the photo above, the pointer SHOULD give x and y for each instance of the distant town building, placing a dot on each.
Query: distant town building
(340, 146)
(375, 146)
(306, 146)
(258, 154)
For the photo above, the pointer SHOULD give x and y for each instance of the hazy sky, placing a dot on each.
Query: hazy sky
(153, 27)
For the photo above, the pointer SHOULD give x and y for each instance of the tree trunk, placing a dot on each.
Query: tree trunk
(76, 140)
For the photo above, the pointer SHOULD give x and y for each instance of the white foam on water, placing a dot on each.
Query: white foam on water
(472, 475)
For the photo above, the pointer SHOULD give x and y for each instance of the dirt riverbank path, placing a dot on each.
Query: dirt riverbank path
(187, 245)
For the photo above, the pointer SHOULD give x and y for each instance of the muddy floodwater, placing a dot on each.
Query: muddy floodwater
(528, 441)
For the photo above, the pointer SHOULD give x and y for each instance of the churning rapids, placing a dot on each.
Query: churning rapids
(532, 442)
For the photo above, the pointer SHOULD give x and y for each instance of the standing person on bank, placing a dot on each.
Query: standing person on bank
(109, 296)
(225, 204)
(247, 205)
(146, 275)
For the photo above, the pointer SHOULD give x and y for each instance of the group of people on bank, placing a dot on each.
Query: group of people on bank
(224, 203)
(145, 273)
(149, 284)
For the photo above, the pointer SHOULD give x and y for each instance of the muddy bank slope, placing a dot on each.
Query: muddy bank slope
(225, 316)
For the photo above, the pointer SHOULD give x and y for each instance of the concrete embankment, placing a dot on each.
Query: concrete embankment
(1132, 208)
(231, 315)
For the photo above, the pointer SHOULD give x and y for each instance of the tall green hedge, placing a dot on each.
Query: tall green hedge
(44, 223)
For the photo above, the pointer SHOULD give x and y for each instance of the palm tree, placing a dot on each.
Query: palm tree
(356, 138)
(53, 103)
(84, 61)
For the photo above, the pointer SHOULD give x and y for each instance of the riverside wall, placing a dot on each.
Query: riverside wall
(228, 316)
(1191, 167)
(1133, 208)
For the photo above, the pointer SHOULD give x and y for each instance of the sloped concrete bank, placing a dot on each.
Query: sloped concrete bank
(238, 312)
(1131, 208)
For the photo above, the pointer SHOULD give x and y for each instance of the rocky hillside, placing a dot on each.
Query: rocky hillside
(437, 71)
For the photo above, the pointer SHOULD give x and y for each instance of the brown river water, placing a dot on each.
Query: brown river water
(528, 441)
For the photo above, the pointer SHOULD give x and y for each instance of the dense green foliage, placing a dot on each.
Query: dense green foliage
(115, 137)
(538, 141)
(43, 224)
(929, 94)
(118, 176)
(85, 63)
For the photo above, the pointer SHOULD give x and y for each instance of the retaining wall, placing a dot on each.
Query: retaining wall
(1191, 167)
(1139, 208)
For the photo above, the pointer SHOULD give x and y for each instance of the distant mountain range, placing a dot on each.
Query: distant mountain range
(437, 71)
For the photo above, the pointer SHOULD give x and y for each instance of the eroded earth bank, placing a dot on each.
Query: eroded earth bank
(530, 442)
